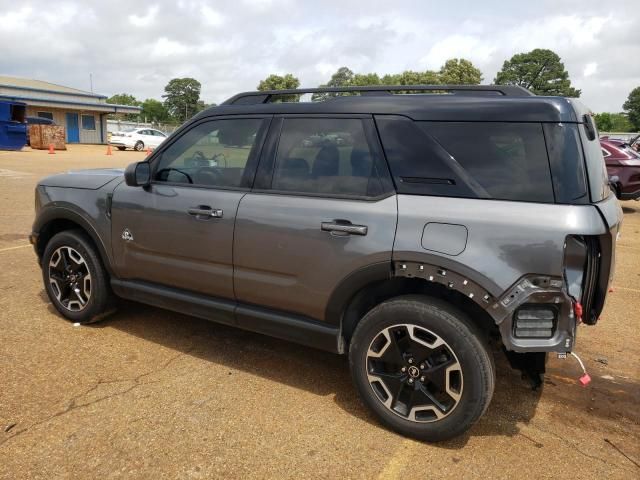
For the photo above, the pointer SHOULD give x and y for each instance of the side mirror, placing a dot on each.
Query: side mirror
(138, 174)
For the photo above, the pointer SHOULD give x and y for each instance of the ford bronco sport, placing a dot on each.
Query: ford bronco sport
(404, 228)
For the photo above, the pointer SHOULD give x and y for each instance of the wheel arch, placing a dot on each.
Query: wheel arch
(57, 219)
(366, 288)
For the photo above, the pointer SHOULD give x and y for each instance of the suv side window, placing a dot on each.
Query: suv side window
(505, 161)
(509, 160)
(213, 153)
(328, 156)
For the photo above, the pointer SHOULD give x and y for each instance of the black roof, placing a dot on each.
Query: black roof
(462, 103)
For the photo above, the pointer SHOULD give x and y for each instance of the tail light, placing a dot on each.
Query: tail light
(535, 321)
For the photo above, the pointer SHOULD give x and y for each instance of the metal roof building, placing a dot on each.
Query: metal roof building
(83, 114)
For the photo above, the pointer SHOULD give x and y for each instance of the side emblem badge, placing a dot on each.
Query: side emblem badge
(126, 235)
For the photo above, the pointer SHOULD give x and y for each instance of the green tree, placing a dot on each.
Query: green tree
(621, 123)
(281, 82)
(603, 121)
(540, 71)
(124, 99)
(632, 108)
(459, 71)
(154, 111)
(181, 98)
(342, 78)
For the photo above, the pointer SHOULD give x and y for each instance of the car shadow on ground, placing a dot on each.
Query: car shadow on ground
(312, 370)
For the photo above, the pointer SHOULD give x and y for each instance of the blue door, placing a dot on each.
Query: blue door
(73, 131)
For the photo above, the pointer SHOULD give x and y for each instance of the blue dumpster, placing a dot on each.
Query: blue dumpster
(13, 127)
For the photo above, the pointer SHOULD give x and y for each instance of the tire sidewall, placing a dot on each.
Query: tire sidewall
(80, 243)
(139, 146)
(462, 338)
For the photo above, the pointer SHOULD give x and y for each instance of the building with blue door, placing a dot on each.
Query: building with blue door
(82, 114)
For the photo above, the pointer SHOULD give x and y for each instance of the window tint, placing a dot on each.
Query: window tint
(88, 122)
(212, 154)
(326, 156)
(567, 162)
(506, 161)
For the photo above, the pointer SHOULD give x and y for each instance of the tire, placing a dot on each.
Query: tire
(122, 149)
(437, 373)
(139, 146)
(86, 273)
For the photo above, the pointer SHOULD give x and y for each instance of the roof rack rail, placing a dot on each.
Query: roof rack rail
(252, 98)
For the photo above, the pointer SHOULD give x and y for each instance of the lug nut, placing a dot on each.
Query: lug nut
(411, 360)
(422, 379)
(411, 380)
(404, 369)
(422, 366)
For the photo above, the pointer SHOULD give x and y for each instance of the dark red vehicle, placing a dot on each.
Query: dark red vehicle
(623, 167)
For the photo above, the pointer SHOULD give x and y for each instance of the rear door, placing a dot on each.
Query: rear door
(322, 207)
(178, 232)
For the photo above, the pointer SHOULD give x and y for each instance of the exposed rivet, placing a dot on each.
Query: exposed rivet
(404, 267)
(421, 267)
(450, 284)
(471, 295)
(464, 282)
(431, 278)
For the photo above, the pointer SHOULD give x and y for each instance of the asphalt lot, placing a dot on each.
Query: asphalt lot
(153, 394)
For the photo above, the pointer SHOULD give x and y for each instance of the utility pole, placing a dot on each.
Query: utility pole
(91, 82)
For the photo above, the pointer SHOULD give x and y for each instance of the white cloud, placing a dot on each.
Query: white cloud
(590, 69)
(137, 47)
(144, 20)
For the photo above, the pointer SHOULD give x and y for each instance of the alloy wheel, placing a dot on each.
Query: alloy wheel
(70, 278)
(414, 373)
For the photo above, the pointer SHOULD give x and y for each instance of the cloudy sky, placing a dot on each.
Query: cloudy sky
(137, 46)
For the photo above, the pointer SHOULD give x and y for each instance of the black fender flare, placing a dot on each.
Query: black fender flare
(58, 212)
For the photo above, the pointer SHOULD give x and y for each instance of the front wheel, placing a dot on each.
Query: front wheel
(75, 279)
(139, 146)
(422, 367)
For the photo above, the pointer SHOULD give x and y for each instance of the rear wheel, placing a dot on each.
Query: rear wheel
(75, 279)
(422, 367)
(139, 146)
(122, 148)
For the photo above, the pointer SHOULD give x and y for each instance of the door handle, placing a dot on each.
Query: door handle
(343, 227)
(203, 211)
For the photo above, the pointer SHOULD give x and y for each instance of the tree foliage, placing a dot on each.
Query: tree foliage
(124, 99)
(459, 71)
(540, 71)
(154, 111)
(632, 108)
(181, 98)
(613, 122)
(281, 82)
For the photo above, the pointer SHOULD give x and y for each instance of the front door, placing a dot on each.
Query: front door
(326, 209)
(178, 231)
(73, 129)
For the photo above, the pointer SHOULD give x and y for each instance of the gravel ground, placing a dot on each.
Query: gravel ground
(153, 394)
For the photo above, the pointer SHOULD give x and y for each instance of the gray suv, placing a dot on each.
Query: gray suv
(406, 229)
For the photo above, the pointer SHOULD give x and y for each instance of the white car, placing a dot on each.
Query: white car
(137, 138)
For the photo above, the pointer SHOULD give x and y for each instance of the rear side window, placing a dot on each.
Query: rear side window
(505, 161)
(329, 156)
(509, 160)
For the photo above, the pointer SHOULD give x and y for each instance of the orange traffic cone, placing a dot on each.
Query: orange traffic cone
(108, 150)
(52, 151)
(148, 151)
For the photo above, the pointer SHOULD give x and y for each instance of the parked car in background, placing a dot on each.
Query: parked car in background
(137, 138)
(37, 121)
(623, 168)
